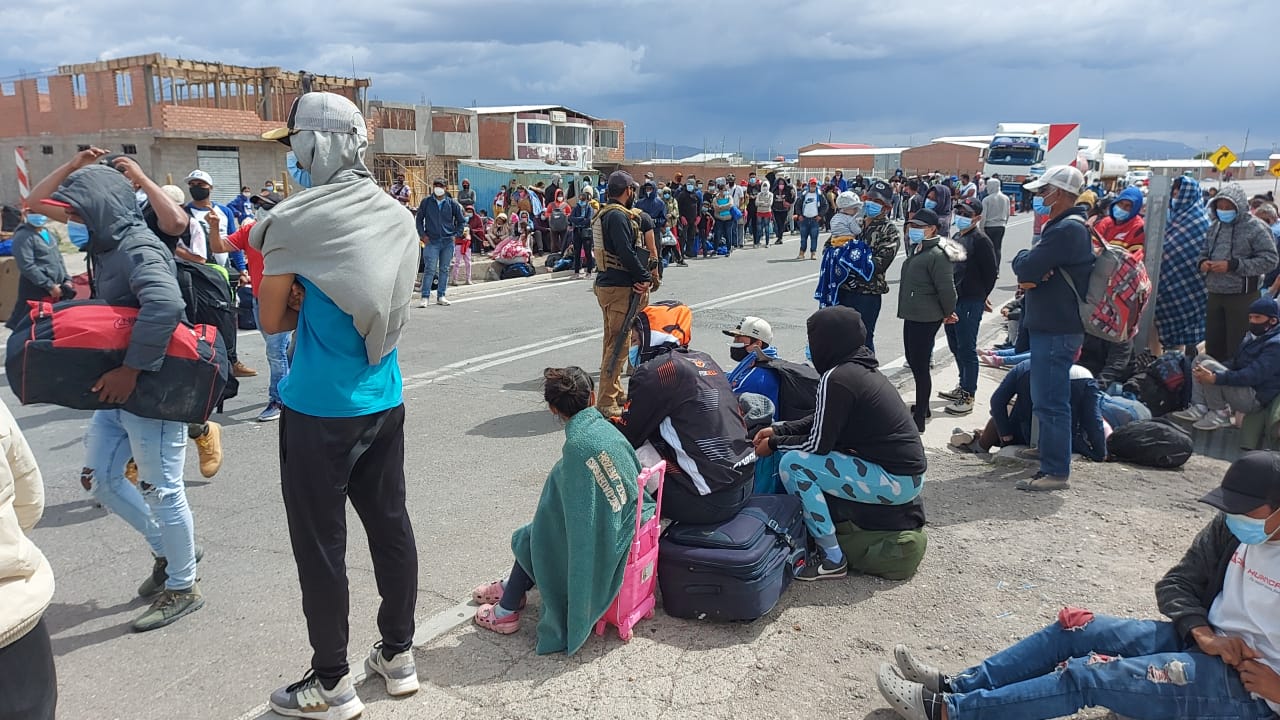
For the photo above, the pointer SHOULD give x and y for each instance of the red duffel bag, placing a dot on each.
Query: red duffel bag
(58, 352)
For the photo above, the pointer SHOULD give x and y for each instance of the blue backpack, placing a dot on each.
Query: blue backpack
(518, 270)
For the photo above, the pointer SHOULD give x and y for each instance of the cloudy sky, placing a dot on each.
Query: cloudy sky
(760, 75)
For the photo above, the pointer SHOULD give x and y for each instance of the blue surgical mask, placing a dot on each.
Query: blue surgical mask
(689, 187)
(302, 177)
(78, 233)
(808, 355)
(1037, 204)
(1250, 531)
(1120, 214)
(931, 204)
(1226, 216)
(963, 223)
(871, 208)
(37, 220)
(915, 235)
(633, 356)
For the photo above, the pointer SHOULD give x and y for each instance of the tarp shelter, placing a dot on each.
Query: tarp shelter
(488, 177)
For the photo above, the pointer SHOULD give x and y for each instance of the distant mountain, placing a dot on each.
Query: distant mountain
(1143, 149)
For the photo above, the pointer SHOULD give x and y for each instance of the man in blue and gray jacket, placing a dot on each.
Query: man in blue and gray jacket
(440, 222)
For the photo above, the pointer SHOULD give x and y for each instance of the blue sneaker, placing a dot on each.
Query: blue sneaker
(270, 412)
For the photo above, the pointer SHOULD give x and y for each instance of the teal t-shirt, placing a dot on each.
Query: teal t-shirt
(330, 375)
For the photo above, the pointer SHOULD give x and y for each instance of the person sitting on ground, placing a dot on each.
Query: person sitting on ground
(753, 335)
(861, 445)
(1215, 657)
(1011, 411)
(575, 549)
(682, 410)
(1225, 392)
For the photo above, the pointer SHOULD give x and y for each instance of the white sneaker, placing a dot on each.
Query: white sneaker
(443, 301)
(400, 672)
(1215, 420)
(426, 302)
(1191, 414)
(307, 698)
(962, 405)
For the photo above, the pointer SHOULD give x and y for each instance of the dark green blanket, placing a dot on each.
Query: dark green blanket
(576, 547)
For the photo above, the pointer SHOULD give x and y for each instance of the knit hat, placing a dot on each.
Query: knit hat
(847, 199)
(1265, 306)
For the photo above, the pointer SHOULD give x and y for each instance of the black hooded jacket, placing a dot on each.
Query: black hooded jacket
(859, 412)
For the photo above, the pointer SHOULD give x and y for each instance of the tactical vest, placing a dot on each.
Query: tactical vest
(606, 260)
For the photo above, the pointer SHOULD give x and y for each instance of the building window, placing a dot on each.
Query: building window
(607, 139)
(129, 149)
(124, 88)
(572, 135)
(8, 88)
(42, 95)
(46, 149)
(79, 92)
(538, 134)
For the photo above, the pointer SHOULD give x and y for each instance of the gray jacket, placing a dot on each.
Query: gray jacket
(40, 267)
(1246, 243)
(130, 265)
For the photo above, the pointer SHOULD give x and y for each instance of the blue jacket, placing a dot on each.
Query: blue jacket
(653, 205)
(1087, 435)
(440, 220)
(747, 378)
(1256, 365)
(1051, 307)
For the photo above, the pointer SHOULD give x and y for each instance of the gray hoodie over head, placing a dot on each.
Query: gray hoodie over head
(1245, 243)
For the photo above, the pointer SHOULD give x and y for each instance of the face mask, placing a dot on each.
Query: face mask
(199, 193)
(438, 192)
(633, 355)
(246, 195)
(1037, 204)
(689, 187)
(631, 201)
(666, 196)
(1120, 214)
(1226, 216)
(466, 186)
(915, 235)
(1250, 531)
(78, 233)
(807, 355)
(930, 204)
(963, 223)
(271, 188)
(871, 208)
(1259, 329)
(300, 176)
(738, 352)
(36, 220)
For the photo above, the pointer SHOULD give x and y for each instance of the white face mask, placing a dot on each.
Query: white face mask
(439, 192)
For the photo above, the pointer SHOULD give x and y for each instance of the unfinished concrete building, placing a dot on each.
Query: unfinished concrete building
(171, 115)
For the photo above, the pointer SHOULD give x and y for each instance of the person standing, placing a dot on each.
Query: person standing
(783, 197)
(1051, 315)
(926, 299)
(466, 196)
(339, 270)
(581, 219)
(440, 223)
(28, 679)
(400, 190)
(1180, 302)
(622, 285)
(689, 206)
(882, 236)
(42, 275)
(975, 278)
(810, 205)
(995, 216)
(217, 222)
(1238, 251)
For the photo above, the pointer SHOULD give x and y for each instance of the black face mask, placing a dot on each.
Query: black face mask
(199, 193)
(738, 354)
(1260, 329)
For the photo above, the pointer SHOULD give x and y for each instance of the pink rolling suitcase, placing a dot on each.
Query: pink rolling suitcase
(636, 598)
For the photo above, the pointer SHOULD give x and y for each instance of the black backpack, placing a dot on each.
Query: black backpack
(1164, 385)
(517, 270)
(559, 221)
(208, 299)
(1158, 443)
(797, 387)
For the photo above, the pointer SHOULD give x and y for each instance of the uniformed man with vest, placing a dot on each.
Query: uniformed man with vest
(622, 284)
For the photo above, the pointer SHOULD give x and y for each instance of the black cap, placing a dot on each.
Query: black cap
(267, 201)
(924, 217)
(1250, 482)
(619, 181)
(880, 192)
(973, 206)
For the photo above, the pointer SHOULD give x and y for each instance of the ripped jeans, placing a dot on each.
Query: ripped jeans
(157, 508)
(1139, 669)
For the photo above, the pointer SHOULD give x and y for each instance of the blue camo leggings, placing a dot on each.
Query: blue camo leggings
(810, 477)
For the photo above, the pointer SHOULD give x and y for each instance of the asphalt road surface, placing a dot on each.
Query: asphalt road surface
(480, 442)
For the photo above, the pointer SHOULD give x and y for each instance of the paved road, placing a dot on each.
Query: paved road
(480, 442)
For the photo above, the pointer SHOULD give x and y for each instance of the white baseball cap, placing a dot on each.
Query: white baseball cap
(1063, 177)
(200, 175)
(753, 327)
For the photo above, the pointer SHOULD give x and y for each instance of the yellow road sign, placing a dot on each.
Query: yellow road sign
(1222, 158)
(1275, 169)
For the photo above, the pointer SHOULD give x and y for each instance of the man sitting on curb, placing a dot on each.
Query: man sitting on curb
(1247, 383)
(1216, 658)
(753, 335)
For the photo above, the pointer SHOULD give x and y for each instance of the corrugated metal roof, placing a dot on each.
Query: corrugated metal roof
(846, 152)
(513, 109)
(533, 166)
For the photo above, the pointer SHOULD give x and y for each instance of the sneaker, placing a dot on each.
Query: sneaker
(1214, 420)
(154, 583)
(168, 607)
(442, 300)
(906, 697)
(1191, 414)
(242, 370)
(307, 698)
(400, 672)
(209, 447)
(962, 405)
(469, 281)
(1043, 482)
(917, 672)
(813, 256)
(961, 439)
(424, 303)
(823, 570)
(682, 264)
(952, 394)
(800, 256)
(1028, 454)
(270, 412)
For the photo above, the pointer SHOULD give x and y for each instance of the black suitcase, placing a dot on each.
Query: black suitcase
(735, 570)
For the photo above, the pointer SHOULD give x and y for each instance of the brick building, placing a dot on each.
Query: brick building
(422, 141)
(950, 158)
(171, 115)
(553, 135)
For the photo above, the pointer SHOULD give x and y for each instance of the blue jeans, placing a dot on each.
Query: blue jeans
(723, 234)
(1051, 360)
(277, 357)
(962, 338)
(763, 228)
(436, 258)
(1140, 669)
(157, 508)
(809, 235)
(868, 306)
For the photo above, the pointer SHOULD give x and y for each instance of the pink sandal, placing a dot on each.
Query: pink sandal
(491, 594)
(489, 620)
